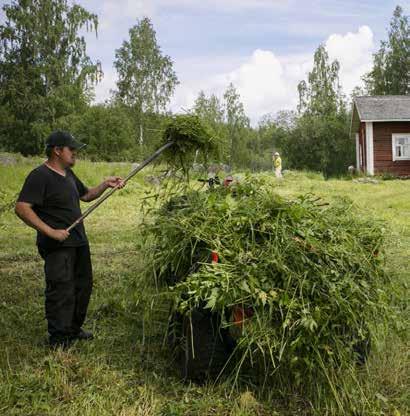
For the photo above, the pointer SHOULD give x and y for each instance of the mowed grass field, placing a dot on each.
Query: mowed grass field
(126, 370)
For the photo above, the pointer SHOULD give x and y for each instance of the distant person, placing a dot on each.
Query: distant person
(277, 164)
(49, 202)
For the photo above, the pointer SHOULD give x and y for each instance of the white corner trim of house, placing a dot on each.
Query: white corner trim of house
(369, 148)
(357, 152)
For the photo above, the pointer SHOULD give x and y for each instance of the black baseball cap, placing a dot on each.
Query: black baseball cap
(63, 138)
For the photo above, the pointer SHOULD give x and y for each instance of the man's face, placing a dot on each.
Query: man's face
(67, 156)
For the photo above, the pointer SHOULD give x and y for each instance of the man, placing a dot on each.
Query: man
(277, 165)
(49, 202)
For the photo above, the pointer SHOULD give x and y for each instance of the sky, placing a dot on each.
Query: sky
(264, 47)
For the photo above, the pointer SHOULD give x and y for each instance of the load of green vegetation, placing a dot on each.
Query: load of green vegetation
(193, 141)
(311, 272)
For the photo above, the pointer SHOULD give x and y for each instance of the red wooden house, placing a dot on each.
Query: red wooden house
(381, 128)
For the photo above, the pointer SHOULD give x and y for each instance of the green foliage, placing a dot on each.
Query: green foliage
(387, 176)
(6, 202)
(227, 119)
(146, 78)
(265, 142)
(311, 272)
(319, 138)
(108, 131)
(212, 112)
(321, 95)
(319, 144)
(237, 124)
(391, 73)
(45, 73)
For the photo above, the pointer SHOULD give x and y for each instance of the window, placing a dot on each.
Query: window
(401, 146)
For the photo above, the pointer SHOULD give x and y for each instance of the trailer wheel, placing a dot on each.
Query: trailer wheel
(205, 346)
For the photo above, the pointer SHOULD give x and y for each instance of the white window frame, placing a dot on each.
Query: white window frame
(396, 136)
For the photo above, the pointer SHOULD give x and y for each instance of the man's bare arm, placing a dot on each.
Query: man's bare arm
(97, 191)
(26, 213)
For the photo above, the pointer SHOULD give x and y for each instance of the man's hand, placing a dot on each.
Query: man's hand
(59, 235)
(114, 182)
(25, 211)
(110, 182)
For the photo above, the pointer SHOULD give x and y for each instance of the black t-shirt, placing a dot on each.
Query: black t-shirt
(56, 200)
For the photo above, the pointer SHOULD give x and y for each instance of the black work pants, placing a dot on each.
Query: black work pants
(69, 279)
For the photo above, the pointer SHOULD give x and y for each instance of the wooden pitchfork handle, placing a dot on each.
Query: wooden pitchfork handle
(130, 175)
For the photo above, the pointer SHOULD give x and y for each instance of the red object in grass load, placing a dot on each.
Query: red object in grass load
(228, 180)
(240, 314)
(214, 257)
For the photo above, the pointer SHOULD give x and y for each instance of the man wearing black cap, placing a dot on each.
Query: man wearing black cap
(50, 202)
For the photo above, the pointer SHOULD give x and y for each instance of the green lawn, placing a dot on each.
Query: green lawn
(126, 371)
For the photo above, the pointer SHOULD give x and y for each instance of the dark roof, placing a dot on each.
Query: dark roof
(379, 108)
(383, 108)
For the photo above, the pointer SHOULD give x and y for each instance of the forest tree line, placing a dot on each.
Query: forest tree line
(47, 82)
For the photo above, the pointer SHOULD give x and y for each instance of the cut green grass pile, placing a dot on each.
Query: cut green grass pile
(311, 272)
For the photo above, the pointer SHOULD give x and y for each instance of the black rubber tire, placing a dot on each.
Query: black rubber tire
(206, 347)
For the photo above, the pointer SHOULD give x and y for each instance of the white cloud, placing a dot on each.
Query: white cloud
(354, 53)
(265, 82)
(268, 83)
(113, 12)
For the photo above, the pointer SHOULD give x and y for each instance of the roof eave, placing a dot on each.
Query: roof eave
(385, 120)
